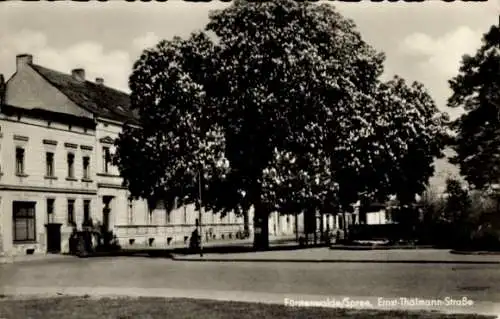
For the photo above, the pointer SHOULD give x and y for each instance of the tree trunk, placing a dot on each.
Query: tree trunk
(363, 210)
(246, 227)
(344, 222)
(315, 218)
(261, 228)
(322, 227)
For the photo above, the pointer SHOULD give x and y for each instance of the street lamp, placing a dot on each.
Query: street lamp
(200, 235)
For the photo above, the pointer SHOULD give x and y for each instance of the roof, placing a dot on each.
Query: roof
(99, 99)
(44, 114)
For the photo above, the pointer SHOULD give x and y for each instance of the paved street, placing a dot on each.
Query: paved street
(260, 280)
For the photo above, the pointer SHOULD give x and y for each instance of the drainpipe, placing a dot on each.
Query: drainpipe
(2, 90)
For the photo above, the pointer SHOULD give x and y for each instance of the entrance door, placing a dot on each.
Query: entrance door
(53, 238)
(106, 211)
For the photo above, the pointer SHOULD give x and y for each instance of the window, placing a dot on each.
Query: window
(185, 215)
(130, 211)
(71, 212)
(19, 161)
(86, 212)
(106, 159)
(50, 210)
(151, 207)
(86, 167)
(24, 221)
(167, 214)
(49, 162)
(71, 167)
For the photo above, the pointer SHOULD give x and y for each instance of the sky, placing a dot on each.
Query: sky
(422, 41)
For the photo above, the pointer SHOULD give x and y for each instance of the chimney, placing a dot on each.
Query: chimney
(78, 74)
(23, 60)
(99, 81)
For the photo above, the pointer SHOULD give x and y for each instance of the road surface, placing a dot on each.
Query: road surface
(387, 280)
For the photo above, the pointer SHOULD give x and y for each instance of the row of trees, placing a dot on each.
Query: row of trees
(467, 217)
(277, 106)
(476, 89)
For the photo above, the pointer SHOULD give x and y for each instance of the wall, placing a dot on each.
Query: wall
(30, 133)
(110, 182)
(376, 218)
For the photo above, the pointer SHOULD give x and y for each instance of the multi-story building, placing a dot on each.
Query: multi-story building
(57, 134)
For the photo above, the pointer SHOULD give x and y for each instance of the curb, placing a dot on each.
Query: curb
(377, 247)
(475, 253)
(333, 261)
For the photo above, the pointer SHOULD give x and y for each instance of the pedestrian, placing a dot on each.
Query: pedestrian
(195, 240)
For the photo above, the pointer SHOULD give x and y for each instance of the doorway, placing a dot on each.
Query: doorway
(106, 212)
(53, 238)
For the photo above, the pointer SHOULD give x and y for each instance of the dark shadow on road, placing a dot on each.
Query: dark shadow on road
(220, 249)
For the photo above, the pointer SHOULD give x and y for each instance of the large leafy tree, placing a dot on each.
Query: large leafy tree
(413, 132)
(476, 89)
(163, 156)
(283, 112)
(395, 153)
(296, 78)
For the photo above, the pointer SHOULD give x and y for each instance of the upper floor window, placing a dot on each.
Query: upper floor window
(106, 159)
(19, 161)
(50, 210)
(49, 163)
(71, 166)
(86, 167)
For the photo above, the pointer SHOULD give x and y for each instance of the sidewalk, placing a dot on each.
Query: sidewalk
(326, 255)
(478, 307)
(34, 257)
(248, 242)
(213, 247)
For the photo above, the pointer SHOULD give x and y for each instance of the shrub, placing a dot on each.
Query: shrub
(93, 238)
(464, 220)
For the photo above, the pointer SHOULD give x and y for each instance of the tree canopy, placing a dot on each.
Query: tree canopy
(476, 89)
(283, 111)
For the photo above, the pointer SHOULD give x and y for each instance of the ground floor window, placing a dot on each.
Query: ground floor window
(24, 221)
(86, 212)
(71, 212)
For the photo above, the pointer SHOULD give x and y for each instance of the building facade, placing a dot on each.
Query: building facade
(57, 134)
